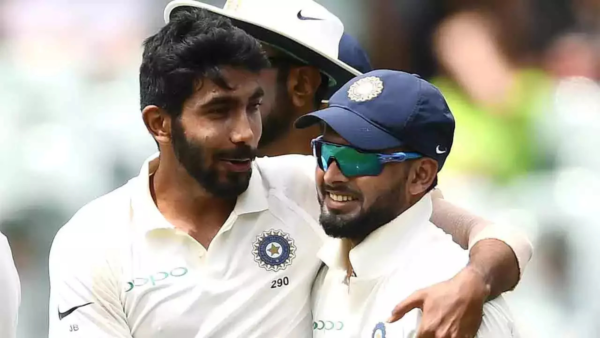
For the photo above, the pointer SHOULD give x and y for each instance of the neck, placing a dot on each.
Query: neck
(350, 243)
(296, 141)
(347, 245)
(402, 208)
(182, 201)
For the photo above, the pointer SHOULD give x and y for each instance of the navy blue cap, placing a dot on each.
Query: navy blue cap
(386, 109)
(352, 54)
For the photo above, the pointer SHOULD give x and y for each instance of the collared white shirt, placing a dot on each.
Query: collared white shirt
(10, 291)
(119, 269)
(395, 260)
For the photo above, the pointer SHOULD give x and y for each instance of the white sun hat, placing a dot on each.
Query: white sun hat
(302, 29)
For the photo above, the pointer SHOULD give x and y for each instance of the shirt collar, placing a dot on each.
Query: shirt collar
(149, 218)
(383, 248)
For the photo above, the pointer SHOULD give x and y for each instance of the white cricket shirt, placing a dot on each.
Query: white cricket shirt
(10, 291)
(119, 269)
(395, 260)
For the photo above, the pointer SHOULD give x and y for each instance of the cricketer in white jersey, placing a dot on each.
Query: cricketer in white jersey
(387, 135)
(120, 269)
(403, 256)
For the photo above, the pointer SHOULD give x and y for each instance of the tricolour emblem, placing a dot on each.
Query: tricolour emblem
(365, 89)
(274, 250)
(379, 331)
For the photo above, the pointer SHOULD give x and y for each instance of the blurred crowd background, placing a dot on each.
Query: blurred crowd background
(521, 77)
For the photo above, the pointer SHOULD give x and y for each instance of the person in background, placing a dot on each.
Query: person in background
(496, 101)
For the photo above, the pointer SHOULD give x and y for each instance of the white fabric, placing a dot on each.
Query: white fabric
(322, 35)
(321, 31)
(10, 291)
(147, 279)
(397, 259)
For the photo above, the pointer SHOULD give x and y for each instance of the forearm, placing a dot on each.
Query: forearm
(498, 254)
(462, 225)
(496, 263)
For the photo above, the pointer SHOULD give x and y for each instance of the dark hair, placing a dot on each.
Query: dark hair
(322, 91)
(283, 71)
(194, 45)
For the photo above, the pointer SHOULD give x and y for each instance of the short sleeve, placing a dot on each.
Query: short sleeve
(497, 321)
(84, 292)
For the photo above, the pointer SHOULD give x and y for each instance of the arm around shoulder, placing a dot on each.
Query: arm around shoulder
(495, 251)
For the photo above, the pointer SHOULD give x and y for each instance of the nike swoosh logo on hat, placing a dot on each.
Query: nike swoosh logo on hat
(301, 17)
(62, 315)
(439, 151)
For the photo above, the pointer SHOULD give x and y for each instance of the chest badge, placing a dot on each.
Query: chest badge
(379, 331)
(274, 250)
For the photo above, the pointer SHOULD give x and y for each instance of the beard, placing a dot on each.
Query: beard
(279, 120)
(193, 157)
(357, 226)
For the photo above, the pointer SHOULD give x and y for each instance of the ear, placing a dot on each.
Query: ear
(158, 123)
(422, 175)
(302, 85)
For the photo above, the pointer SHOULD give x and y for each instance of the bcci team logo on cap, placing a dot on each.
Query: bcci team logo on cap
(379, 331)
(274, 250)
(365, 89)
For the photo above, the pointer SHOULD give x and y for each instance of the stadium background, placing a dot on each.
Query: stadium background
(520, 76)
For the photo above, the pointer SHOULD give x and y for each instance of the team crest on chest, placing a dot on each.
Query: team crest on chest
(379, 331)
(274, 250)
